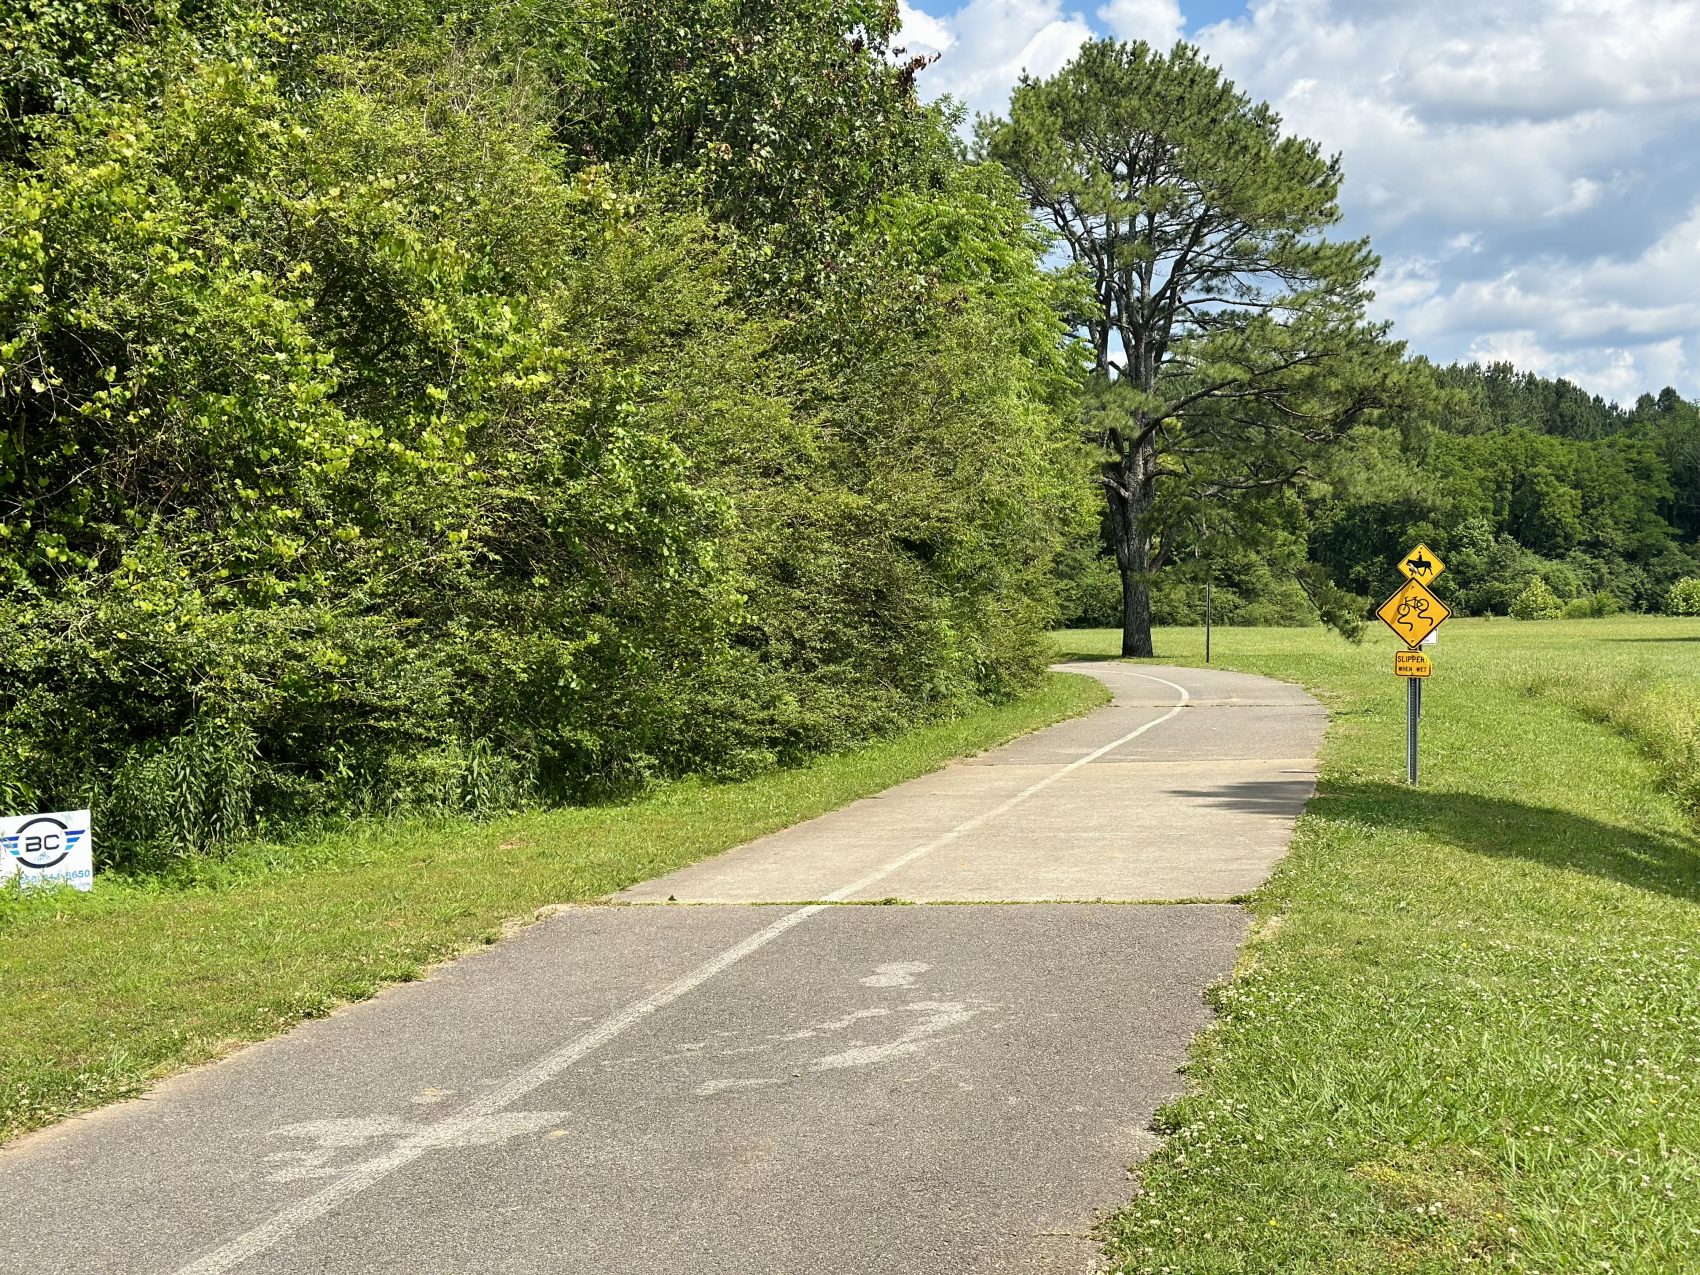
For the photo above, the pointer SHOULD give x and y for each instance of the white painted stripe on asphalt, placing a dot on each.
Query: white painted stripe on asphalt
(265, 1236)
(962, 829)
(283, 1224)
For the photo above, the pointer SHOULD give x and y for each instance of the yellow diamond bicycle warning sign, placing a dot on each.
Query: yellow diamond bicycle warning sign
(1413, 613)
(1422, 564)
(1411, 664)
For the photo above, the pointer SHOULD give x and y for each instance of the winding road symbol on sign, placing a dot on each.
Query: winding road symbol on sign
(1413, 613)
(1416, 608)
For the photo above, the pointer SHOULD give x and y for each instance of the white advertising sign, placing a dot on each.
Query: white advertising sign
(57, 847)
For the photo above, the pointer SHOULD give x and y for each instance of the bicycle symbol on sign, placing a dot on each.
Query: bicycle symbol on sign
(1411, 606)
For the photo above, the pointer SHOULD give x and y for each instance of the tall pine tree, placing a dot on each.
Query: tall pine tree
(1228, 333)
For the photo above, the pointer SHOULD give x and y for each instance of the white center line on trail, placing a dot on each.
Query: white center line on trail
(268, 1234)
(962, 829)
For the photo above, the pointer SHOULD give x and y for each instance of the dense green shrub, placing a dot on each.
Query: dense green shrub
(1684, 597)
(397, 423)
(1178, 598)
(1090, 590)
(1592, 606)
(1536, 602)
(184, 797)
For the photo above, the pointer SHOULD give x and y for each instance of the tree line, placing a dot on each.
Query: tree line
(1526, 485)
(417, 408)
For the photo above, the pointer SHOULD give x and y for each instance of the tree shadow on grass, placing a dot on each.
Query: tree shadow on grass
(1496, 827)
(1134, 661)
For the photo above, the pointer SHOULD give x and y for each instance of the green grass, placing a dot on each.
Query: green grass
(102, 993)
(1466, 1033)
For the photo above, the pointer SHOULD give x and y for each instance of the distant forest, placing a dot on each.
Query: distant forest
(1510, 476)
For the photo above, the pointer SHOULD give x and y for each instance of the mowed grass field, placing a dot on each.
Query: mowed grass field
(1466, 1033)
(100, 994)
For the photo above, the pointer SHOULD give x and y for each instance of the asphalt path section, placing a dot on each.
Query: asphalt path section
(732, 1088)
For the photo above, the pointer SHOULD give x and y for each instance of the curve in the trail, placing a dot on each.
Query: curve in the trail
(1185, 787)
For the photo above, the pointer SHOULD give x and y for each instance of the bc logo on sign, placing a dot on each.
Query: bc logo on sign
(56, 847)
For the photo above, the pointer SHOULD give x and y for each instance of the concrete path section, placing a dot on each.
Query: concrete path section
(737, 1090)
(1185, 788)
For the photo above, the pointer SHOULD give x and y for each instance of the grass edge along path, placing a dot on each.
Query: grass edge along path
(102, 994)
(1465, 1032)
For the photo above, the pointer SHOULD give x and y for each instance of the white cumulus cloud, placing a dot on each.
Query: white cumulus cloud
(985, 45)
(1527, 168)
(1158, 22)
(1523, 165)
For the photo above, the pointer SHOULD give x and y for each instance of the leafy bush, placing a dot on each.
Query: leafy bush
(399, 423)
(1536, 602)
(1178, 598)
(1094, 598)
(1284, 605)
(1684, 597)
(186, 797)
(1593, 606)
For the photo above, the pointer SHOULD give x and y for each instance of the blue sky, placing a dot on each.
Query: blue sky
(1529, 170)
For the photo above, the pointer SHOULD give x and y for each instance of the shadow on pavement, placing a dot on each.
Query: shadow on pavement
(1258, 796)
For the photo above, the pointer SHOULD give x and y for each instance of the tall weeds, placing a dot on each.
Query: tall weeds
(1662, 718)
(188, 797)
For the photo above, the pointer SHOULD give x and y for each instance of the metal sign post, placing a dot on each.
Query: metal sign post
(1414, 614)
(1413, 711)
(1207, 583)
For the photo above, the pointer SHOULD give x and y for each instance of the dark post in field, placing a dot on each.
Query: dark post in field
(1207, 619)
(1413, 712)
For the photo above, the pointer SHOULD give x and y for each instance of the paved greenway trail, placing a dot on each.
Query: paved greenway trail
(726, 1089)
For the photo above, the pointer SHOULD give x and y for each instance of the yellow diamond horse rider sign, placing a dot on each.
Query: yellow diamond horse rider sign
(1422, 564)
(1413, 613)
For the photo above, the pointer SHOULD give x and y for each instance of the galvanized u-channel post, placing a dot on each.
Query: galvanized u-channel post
(1207, 583)
(1413, 711)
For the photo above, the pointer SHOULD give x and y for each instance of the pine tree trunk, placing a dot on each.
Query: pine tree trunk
(1136, 614)
(1129, 484)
